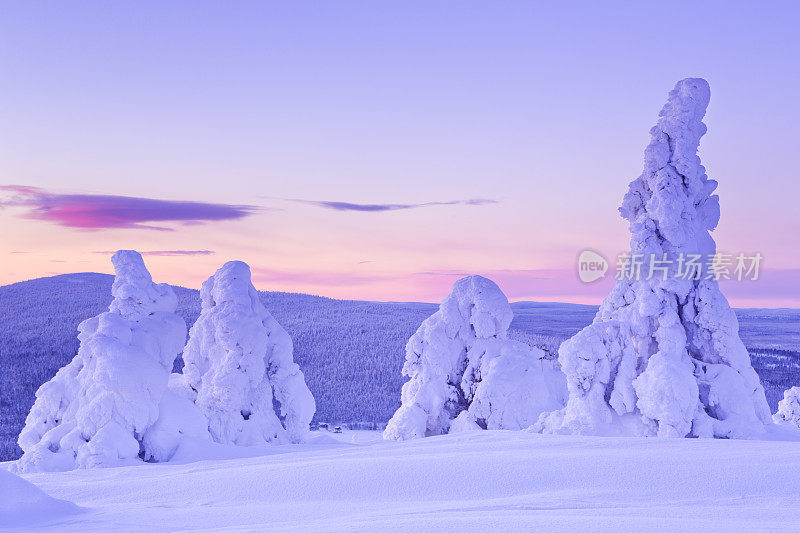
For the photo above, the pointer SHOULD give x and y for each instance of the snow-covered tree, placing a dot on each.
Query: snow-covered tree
(97, 409)
(178, 418)
(466, 374)
(789, 408)
(240, 369)
(663, 355)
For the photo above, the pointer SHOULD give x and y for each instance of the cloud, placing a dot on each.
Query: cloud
(377, 208)
(166, 253)
(96, 211)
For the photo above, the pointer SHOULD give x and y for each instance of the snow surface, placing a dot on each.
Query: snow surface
(480, 481)
(663, 355)
(465, 374)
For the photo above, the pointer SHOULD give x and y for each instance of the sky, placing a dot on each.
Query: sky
(371, 150)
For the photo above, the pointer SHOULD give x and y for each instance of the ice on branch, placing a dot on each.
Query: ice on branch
(465, 374)
(663, 355)
(98, 410)
(240, 369)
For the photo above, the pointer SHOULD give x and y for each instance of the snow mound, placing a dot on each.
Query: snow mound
(789, 408)
(96, 410)
(465, 374)
(239, 366)
(663, 355)
(22, 504)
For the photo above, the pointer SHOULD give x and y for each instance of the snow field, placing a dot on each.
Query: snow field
(503, 480)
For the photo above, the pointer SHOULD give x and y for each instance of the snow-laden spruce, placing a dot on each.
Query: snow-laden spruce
(466, 374)
(239, 365)
(663, 356)
(99, 409)
(789, 408)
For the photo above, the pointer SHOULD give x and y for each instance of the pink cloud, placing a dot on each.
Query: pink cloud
(92, 212)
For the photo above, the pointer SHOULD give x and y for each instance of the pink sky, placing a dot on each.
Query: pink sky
(319, 251)
(388, 149)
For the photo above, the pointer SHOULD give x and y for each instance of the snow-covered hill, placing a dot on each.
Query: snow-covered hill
(483, 481)
(351, 352)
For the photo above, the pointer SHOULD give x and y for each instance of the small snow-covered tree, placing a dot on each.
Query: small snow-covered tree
(97, 409)
(789, 408)
(466, 374)
(239, 368)
(663, 354)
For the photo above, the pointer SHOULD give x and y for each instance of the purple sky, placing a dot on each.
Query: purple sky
(369, 150)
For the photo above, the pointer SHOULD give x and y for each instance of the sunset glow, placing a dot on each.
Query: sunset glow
(386, 155)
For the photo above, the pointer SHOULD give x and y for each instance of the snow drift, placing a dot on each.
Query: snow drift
(98, 410)
(239, 368)
(466, 374)
(663, 355)
(23, 504)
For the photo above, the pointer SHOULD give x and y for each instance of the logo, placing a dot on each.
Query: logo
(591, 266)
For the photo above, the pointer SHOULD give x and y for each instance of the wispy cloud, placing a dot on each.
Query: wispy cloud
(97, 211)
(377, 208)
(166, 252)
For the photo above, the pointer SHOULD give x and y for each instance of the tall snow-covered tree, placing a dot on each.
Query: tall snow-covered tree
(466, 374)
(239, 367)
(663, 355)
(97, 409)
